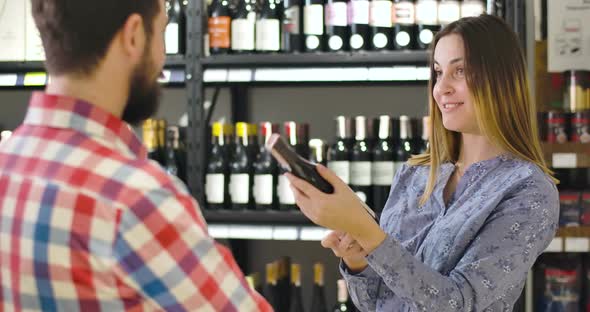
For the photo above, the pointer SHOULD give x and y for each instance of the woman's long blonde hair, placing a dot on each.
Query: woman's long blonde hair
(497, 79)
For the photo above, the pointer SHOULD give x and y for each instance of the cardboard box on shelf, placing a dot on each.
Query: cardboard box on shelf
(12, 30)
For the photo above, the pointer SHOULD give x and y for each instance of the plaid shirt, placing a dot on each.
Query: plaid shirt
(88, 222)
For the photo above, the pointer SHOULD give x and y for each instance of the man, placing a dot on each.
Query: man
(87, 222)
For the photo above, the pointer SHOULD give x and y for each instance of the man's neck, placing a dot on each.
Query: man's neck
(108, 96)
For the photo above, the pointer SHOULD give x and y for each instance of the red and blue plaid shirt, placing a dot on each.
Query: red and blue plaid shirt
(88, 222)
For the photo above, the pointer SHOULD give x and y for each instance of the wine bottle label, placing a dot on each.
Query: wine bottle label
(341, 169)
(337, 14)
(284, 191)
(360, 173)
(242, 35)
(263, 189)
(403, 13)
(219, 32)
(335, 43)
(472, 8)
(382, 172)
(291, 20)
(172, 36)
(239, 187)
(313, 19)
(215, 188)
(356, 41)
(268, 35)
(427, 12)
(358, 12)
(402, 38)
(426, 36)
(448, 12)
(380, 40)
(380, 13)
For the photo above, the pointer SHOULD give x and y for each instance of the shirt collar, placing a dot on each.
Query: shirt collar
(57, 111)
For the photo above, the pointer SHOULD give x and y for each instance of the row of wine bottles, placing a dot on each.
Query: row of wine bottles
(283, 288)
(166, 145)
(243, 175)
(245, 26)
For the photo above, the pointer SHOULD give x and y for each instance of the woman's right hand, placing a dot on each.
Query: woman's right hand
(345, 246)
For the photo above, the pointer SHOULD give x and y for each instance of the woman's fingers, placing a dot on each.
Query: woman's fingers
(303, 186)
(331, 240)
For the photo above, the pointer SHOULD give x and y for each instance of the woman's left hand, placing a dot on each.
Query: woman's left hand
(341, 210)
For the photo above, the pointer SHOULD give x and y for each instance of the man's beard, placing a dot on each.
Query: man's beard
(144, 92)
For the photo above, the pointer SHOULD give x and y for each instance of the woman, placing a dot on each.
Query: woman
(464, 222)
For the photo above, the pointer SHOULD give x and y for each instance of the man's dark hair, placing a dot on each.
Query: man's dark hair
(77, 33)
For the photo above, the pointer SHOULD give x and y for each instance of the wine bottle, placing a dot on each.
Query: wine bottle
(161, 141)
(292, 38)
(286, 197)
(253, 146)
(302, 145)
(296, 304)
(297, 165)
(175, 29)
(313, 25)
(404, 148)
(381, 24)
(358, 22)
(318, 299)
(243, 27)
(343, 304)
(336, 25)
(219, 27)
(472, 8)
(284, 283)
(271, 292)
(339, 153)
(241, 171)
(149, 133)
(383, 164)
(427, 20)
(448, 11)
(360, 165)
(180, 154)
(317, 151)
(425, 138)
(266, 172)
(268, 27)
(405, 24)
(217, 176)
(172, 167)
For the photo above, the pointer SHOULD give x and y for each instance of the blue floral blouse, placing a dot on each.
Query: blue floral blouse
(472, 254)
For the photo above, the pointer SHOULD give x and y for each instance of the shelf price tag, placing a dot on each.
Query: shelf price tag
(422, 73)
(285, 233)
(239, 75)
(381, 73)
(404, 73)
(354, 74)
(564, 160)
(8, 80)
(312, 233)
(215, 75)
(219, 230)
(35, 79)
(556, 245)
(250, 232)
(269, 74)
(577, 244)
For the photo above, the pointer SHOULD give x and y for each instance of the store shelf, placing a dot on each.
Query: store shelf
(32, 74)
(567, 155)
(256, 217)
(571, 239)
(267, 232)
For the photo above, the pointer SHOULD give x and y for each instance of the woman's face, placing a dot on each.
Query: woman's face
(450, 92)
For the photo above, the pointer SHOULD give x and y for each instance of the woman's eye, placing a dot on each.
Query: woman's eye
(437, 73)
(460, 72)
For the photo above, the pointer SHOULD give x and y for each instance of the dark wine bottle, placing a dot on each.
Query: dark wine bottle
(150, 139)
(297, 165)
(448, 11)
(286, 197)
(180, 153)
(266, 173)
(358, 22)
(268, 27)
(425, 137)
(172, 145)
(318, 296)
(243, 27)
(284, 283)
(302, 145)
(381, 24)
(427, 20)
(271, 291)
(405, 147)
(343, 304)
(317, 153)
(339, 152)
(241, 170)
(472, 8)
(383, 164)
(217, 176)
(313, 25)
(360, 165)
(337, 35)
(296, 304)
(405, 24)
(292, 31)
(219, 27)
(175, 30)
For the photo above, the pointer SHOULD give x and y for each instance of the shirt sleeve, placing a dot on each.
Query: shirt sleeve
(164, 252)
(363, 287)
(495, 263)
